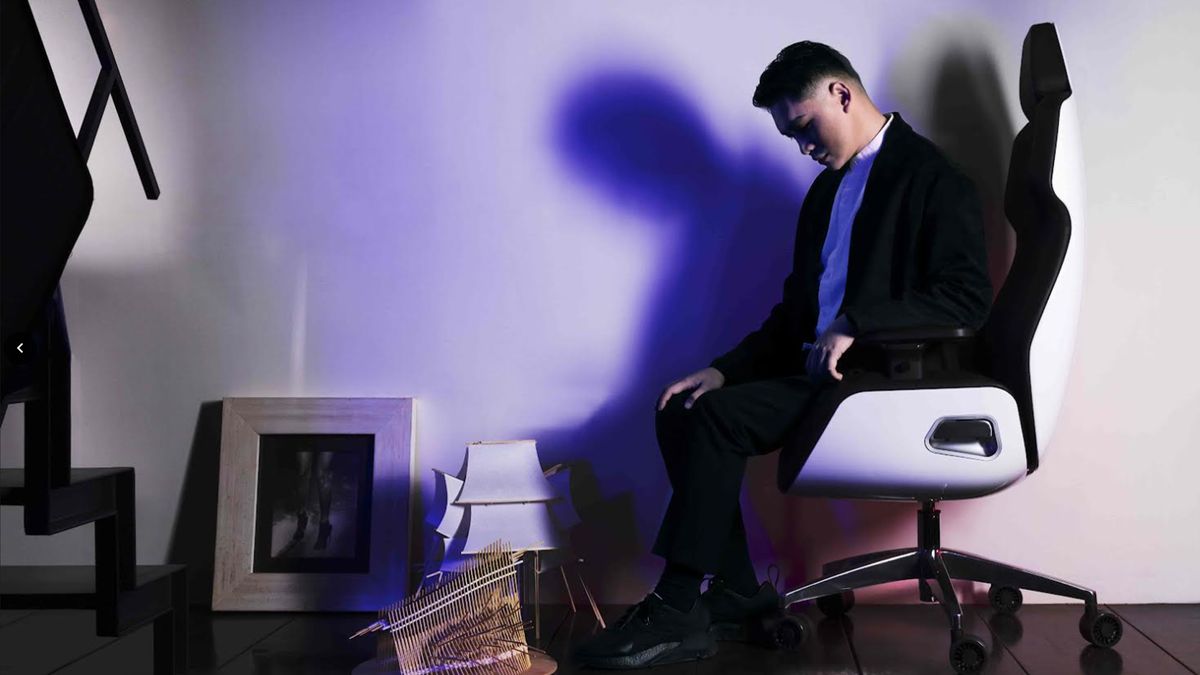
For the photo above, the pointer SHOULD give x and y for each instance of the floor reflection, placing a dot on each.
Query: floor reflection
(1095, 660)
(1007, 627)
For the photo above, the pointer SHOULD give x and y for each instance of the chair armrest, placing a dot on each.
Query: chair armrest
(907, 351)
(917, 334)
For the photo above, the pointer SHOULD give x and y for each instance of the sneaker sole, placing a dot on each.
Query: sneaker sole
(694, 648)
(729, 632)
(758, 631)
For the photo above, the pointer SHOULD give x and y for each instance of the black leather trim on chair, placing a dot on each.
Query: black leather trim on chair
(1041, 223)
(797, 450)
(916, 333)
(908, 353)
(1043, 68)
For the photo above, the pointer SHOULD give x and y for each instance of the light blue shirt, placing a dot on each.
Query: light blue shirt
(835, 254)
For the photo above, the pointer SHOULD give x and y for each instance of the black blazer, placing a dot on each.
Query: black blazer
(917, 258)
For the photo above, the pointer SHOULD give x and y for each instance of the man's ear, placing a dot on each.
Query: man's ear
(842, 92)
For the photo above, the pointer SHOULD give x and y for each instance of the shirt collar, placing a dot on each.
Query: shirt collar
(872, 148)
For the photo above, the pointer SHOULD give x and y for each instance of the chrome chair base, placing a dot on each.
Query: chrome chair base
(934, 567)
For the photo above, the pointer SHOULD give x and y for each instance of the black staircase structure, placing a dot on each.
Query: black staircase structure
(45, 201)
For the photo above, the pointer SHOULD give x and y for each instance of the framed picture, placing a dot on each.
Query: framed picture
(315, 504)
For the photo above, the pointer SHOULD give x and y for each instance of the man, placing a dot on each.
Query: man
(890, 235)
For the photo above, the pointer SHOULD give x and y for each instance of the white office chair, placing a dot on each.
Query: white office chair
(954, 415)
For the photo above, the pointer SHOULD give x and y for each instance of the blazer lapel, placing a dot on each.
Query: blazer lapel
(885, 171)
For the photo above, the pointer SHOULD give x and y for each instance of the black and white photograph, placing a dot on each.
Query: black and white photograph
(314, 503)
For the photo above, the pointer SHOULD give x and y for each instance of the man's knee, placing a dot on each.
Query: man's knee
(674, 407)
(675, 418)
(670, 424)
(712, 404)
(715, 417)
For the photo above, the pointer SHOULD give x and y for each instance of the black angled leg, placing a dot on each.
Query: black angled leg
(835, 566)
(966, 566)
(943, 591)
(903, 565)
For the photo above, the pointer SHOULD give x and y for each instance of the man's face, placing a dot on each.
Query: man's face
(820, 124)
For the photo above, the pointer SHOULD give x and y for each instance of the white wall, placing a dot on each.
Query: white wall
(376, 200)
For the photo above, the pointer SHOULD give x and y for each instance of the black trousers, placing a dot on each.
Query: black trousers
(705, 450)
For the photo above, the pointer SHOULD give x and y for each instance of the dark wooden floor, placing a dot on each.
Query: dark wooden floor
(1041, 639)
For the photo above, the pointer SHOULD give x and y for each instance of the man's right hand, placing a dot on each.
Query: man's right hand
(701, 380)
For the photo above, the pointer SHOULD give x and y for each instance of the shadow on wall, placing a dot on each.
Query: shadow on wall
(193, 538)
(953, 85)
(970, 122)
(731, 214)
(729, 217)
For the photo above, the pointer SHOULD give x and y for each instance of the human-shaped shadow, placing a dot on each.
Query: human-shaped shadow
(730, 215)
(968, 118)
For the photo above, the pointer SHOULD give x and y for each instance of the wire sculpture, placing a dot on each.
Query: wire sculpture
(466, 622)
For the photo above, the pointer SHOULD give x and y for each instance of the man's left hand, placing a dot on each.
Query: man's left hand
(829, 347)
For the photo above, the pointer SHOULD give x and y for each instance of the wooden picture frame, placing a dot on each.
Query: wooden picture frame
(264, 442)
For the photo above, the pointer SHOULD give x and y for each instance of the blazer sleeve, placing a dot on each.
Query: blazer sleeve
(768, 350)
(953, 288)
(776, 348)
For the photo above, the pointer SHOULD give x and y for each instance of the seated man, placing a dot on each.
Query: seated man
(890, 236)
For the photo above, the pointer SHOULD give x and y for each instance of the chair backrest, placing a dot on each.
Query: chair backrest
(1030, 333)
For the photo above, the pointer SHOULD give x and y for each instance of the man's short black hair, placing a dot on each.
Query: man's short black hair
(797, 69)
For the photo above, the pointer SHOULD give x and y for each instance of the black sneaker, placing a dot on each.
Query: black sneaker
(651, 633)
(734, 615)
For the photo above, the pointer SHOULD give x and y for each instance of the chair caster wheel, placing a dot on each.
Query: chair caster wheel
(786, 631)
(1005, 599)
(1100, 628)
(837, 604)
(968, 654)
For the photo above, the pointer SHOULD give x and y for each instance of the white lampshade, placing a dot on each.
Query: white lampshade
(561, 509)
(526, 526)
(501, 472)
(448, 489)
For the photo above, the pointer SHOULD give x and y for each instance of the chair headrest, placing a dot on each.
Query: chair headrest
(1043, 69)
